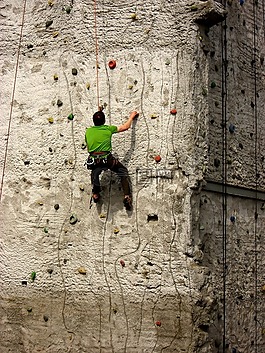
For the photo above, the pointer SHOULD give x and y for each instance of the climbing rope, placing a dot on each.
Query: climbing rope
(96, 47)
(12, 99)
(224, 169)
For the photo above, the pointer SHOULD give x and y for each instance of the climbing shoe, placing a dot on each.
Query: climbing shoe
(127, 202)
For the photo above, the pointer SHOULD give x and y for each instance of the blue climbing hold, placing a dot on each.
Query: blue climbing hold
(233, 219)
(242, 2)
(232, 128)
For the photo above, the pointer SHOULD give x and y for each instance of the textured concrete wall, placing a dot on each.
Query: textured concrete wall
(168, 295)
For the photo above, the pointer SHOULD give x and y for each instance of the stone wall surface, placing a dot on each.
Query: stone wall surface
(101, 279)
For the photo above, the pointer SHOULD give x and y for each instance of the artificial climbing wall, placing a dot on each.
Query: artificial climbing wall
(100, 279)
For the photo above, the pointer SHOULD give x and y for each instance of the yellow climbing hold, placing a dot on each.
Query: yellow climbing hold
(88, 85)
(116, 230)
(55, 77)
(82, 270)
(55, 34)
(134, 16)
(153, 116)
(102, 215)
(50, 3)
(51, 120)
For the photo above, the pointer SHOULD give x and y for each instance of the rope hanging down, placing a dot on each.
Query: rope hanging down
(12, 101)
(96, 45)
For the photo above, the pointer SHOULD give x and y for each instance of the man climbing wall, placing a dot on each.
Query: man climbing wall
(98, 141)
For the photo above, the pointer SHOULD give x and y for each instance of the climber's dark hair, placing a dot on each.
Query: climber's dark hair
(99, 118)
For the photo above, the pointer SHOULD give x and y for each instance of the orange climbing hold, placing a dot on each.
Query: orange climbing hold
(158, 323)
(157, 158)
(112, 64)
(173, 111)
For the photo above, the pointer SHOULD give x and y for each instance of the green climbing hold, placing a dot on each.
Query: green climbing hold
(45, 230)
(73, 219)
(71, 116)
(68, 9)
(213, 84)
(33, 276)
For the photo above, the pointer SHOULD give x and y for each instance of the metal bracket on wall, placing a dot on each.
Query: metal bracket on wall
(234, 190)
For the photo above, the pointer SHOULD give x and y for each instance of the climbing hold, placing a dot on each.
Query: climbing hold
(173, 111)
(50, 149)
(81, 187)
(130, 86)
(29, 310)
(48, 23)
(29, 46)
(153, 116)
(232, 128)
(112, 64)
(50, 120)
(55, 77)
(134, 16)
(55, 34)
(45, 318)
(40, 203)
(74, 71)
(83, 146)
(213, 84)
(50, 270)
(50, 3)
(157, 158)
(70, 116)
(241, 2)
(263, 206)
(88, 85)
(45, 229)
(122, 262)
(102, 215)
(216, 162)
(33, 276)
(167, 62)
(158, 323)
(56, 206)
(73, 219)
(152, 217)
(24, 283)
(68, 9)
(59, 103)
(201, 227)
(233, 219)
(116, 230)
(240, 145)
(26, 162)
(82, 270)
(194, 8)
(204, 91)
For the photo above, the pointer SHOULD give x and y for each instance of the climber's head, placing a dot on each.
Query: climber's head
(99, 118)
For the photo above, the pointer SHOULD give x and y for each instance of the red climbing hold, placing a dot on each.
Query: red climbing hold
(122, 262)
(112, 64)
(157, 159)
(173, 111)
(158, 323)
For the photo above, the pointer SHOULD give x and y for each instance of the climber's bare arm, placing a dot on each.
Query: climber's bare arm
(128, 123)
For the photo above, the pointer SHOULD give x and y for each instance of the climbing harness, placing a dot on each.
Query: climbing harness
(95, 158)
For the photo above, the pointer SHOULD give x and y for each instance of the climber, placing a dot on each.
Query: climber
(98, 141)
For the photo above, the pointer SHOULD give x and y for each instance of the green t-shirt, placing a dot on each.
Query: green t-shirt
(98, 138)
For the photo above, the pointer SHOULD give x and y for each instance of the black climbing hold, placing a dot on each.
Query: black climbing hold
(216, 162)
(149, 263)
(24, 283)
(234, 350)
(252, 104)
(29, 46)
(59, 103)
(152, 217)
(26, 162)
(232, 128)
(213, 84)
(240, 145)
(45, 318)
(49, 23)
(74, 72)
(50, 270)
(56, 206)
(50, 149)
